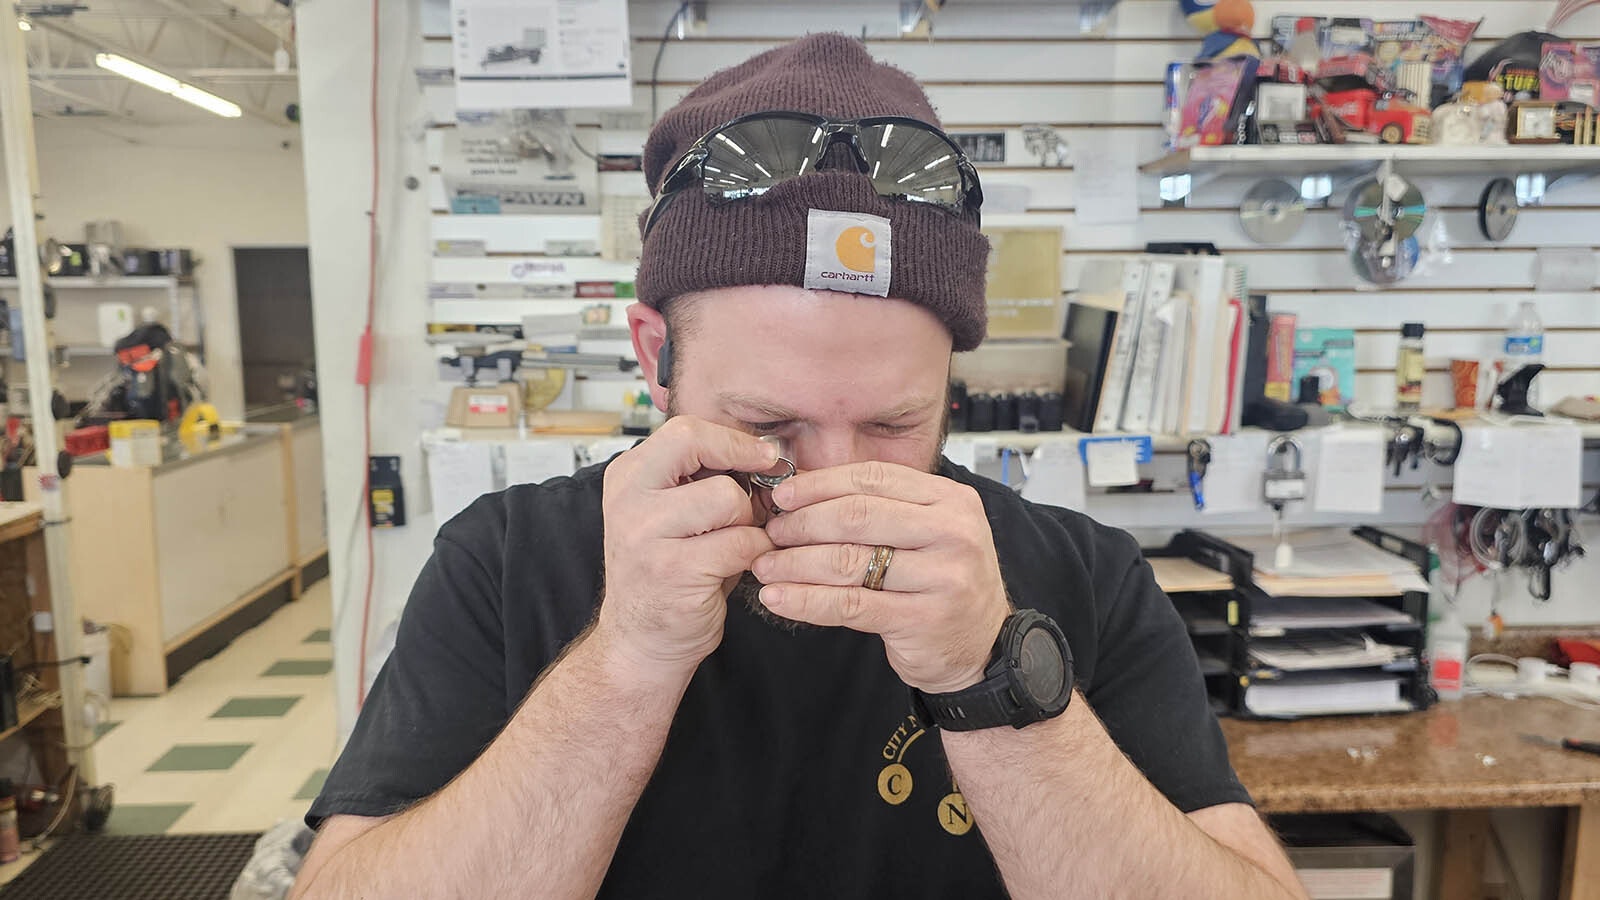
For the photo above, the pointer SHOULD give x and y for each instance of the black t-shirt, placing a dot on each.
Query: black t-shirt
(793, 766)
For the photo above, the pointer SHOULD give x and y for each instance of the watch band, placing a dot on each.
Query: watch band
(986, 704)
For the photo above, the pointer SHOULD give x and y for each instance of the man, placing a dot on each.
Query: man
(590, 696)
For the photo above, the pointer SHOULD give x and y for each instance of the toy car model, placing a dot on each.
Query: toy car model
(1355, 91)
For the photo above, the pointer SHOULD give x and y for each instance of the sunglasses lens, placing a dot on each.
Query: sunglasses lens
(913, 163)
(746, 158)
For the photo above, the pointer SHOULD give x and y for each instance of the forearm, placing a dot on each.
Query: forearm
(1066, 815)
(541, 810)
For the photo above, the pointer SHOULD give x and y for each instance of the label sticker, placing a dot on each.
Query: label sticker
(847, 252)
(491, 404)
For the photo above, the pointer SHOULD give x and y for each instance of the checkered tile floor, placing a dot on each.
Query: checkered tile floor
(241, 742)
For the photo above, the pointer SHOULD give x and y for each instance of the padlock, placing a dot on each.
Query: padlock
(1285, 478)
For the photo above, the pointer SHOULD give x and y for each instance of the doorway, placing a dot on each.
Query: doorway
(276, 346)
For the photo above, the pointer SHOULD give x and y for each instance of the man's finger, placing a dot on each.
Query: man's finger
(685, 445)
(872, 479)
(857, 519)
(856, 608)
(726, 552)
(842, 565)
(702, 506)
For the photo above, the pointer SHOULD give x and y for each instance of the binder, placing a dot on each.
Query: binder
(1114, 389)
(1202, 277)
(1140, 405)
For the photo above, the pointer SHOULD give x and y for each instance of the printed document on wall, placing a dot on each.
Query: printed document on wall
(459, 472)
(543, 54)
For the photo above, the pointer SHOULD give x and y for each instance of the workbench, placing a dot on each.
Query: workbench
(1463, 756)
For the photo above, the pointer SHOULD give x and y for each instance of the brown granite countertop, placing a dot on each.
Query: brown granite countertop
(1458, 755)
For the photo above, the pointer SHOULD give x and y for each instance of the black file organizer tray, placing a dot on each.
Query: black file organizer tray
(1219, 621)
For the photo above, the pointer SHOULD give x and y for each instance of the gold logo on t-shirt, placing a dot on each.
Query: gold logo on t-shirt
(894, 784)
(954, 816)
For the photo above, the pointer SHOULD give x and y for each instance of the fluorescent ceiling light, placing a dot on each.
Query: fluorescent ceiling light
(166, 84)
(24, 25)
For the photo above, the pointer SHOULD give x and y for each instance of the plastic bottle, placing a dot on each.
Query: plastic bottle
(1524, 345)
(1447, 641)
(1409, 368)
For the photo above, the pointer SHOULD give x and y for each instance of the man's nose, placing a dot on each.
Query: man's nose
(833, 447)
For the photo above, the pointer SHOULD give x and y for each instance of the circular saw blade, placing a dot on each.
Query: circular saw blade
(1497, 209)
(1381, 214)
(1272, 211)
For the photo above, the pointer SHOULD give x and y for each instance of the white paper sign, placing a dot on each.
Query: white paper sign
(530, 462)
(1349, 476)
(485, 172)
(459, 472)
(1055, 476)
(1107, 191)
(541, 54)
(1520, 466)
(1233, 479)
(1113, 463)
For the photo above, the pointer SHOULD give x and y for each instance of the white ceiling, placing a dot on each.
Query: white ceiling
(224, 48)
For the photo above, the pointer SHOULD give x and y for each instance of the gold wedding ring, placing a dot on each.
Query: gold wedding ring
(878, 568)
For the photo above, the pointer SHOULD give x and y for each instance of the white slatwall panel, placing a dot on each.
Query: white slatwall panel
(1004, 64)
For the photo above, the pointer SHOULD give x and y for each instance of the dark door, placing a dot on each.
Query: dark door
(273, 285)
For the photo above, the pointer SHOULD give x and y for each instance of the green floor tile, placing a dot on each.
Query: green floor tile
(145, 818)
(313, 785)
(101, 729)
(199, 758)
(255, 707)
(300, 667)
(320, 636)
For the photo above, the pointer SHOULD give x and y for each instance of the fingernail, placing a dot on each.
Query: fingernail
(771, 597)
(760, 567)
(782, 494)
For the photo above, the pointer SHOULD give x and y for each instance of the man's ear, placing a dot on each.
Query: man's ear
(651, 345)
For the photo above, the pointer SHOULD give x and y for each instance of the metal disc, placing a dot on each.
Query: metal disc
(1497, 209)
(1385, 262)
(1272, 211)
(1381, 213)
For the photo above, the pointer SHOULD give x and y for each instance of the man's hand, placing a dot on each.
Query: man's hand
(678, 534)
(943, 601)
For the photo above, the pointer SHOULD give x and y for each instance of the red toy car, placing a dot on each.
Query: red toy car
(1356, 92)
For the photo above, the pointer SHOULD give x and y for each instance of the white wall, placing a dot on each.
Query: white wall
(209, 188)
(994, 66)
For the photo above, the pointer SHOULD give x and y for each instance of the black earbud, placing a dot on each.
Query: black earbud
(664, 363)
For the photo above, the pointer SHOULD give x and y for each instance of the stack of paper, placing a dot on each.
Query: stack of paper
(1330, 562)
(1324, 650)
(1299, 614)
(1325, 694)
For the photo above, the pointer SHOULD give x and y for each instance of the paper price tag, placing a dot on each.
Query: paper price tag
(1113, 463)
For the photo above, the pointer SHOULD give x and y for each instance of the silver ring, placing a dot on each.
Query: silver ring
(771, 481)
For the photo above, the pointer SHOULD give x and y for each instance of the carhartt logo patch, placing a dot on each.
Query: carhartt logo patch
(847, 252)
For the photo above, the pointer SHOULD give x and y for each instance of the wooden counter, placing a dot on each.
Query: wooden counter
(1464, 755)
(181, 557)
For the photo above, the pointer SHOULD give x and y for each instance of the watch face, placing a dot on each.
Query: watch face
(1041, 671)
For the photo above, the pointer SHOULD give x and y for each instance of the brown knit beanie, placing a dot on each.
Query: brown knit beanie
(925, 255)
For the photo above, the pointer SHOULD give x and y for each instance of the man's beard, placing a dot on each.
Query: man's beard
(748, 588)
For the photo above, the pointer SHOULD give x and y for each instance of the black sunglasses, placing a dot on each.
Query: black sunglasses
(906, 159)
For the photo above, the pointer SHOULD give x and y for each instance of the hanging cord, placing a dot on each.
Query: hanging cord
(655, 70)
(364, 374)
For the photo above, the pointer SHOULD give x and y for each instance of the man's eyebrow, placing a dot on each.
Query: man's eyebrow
(760, 406)
(773, 411)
